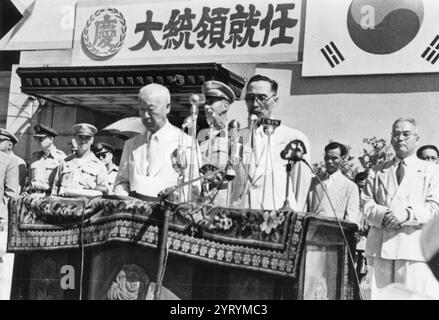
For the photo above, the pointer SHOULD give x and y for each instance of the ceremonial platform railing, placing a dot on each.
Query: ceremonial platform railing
(106, 248)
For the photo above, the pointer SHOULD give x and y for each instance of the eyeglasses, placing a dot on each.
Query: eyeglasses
(261, 98)
(405, 135)
(39, 138)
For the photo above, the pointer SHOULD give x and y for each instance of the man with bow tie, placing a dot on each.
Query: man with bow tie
(401, 195)
(214, 141)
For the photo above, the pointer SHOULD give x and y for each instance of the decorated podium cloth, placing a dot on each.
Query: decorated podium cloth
(264, 241)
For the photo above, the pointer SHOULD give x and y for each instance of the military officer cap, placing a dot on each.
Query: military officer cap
(84, 129)
(43, 131)
(103, 147)
(218, 89)
(6, 135)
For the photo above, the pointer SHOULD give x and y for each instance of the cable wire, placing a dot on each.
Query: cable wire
(351, 259)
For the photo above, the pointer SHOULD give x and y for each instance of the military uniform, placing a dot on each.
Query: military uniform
(22, 171)
(214, 141)
(81, 173)
(87, 172)
(101, 151)
(112, 174)
(44, 164)
(22, 166)
(43, 169)
(214, 147)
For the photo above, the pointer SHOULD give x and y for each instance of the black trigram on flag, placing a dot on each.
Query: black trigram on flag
(431, 54)
(332, 54)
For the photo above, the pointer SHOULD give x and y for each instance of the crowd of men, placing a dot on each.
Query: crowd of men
(246, 168)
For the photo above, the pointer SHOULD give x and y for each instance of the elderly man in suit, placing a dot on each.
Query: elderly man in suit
(342, 192)
(157, 159)
(261, 182)
(401, 195)
(9, 187)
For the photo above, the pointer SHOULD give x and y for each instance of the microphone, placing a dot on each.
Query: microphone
(253, 121)
(269, 125)
(234, 125)
(236, 143)
(294, 151)
(179, 160)
(196, 100)
(187, 123)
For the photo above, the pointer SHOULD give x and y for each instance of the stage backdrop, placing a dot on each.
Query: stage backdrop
(139, 32)
(351, 37)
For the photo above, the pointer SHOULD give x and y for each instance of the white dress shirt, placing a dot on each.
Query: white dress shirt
(261, 180)
(146, 165)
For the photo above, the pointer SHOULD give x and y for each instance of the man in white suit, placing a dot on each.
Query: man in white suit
(400, 196)
(150, 162)
(343, 193)
(261, 182)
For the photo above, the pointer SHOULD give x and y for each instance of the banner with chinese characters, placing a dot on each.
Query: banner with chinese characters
(169, 32)
(352, 37)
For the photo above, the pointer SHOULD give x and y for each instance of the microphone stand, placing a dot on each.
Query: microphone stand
(163, 251)
(234, 149)
(193, 146)
(286, 205)
(351, 258)
(252, 127)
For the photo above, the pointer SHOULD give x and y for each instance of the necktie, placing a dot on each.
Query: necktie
(151, 153)
(400, 172)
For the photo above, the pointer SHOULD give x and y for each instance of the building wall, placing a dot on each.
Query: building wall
(5, 80)
(25, 112)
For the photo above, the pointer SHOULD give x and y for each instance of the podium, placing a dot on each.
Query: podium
(107, 249)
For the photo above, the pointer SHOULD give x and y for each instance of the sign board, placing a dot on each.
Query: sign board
(230, 31)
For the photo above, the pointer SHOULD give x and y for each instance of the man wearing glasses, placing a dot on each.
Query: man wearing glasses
(105, 153)
(81, 174)
(262, 178)
(428, 153)
(45, 162)
(401, 195)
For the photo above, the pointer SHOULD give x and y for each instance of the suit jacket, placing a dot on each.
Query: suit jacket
(419, 191)
(248, 189)
(343, 194)
(133, 171)
(9, 186)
